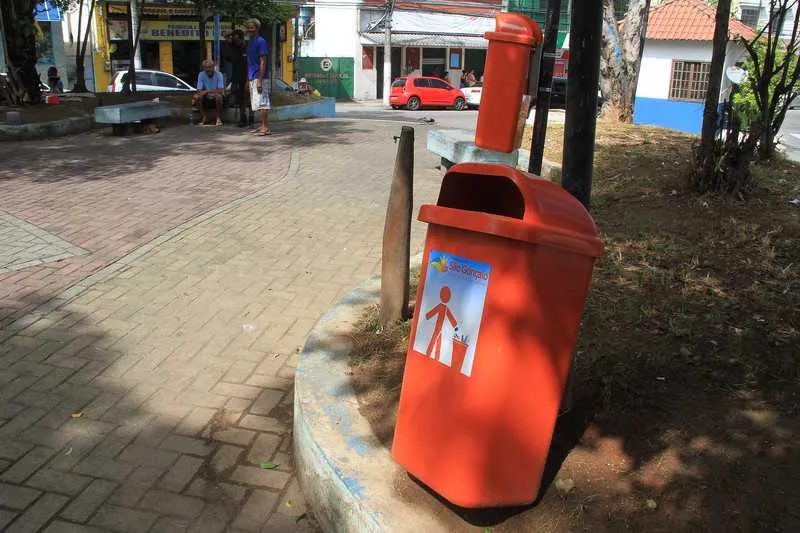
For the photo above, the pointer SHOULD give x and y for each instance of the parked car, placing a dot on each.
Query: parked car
(149, 80)
(415, 92)
(473, 95)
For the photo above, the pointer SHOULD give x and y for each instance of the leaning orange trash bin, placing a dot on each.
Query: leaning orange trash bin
(507, 264)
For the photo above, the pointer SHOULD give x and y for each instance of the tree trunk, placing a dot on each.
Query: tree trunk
(21, 45)
(706, 153)
(80, 52)
(621, 57)
(202, 32)
(633, 36)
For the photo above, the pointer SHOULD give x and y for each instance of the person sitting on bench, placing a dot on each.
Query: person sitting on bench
(210, 86)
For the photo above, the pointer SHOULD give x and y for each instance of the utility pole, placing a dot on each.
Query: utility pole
(387, 52)
(545, 86)
(586, 22)
(135, 19)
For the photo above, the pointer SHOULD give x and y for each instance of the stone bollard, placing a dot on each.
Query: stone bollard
(13, 118)
(397, 234)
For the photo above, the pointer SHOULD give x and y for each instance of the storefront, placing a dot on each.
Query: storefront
(423, 44)
(169, 39)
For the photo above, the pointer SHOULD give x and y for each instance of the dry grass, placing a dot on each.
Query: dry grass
(688, 362)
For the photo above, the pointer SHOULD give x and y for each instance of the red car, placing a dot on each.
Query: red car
(414, 92)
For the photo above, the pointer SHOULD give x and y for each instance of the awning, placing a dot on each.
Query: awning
(427, 40)
(47, 11)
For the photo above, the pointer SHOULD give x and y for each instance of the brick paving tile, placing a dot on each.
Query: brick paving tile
(178, 359)
(59, 526)
(6, 517)
(38, 514)
(124, 520)
(89, 500)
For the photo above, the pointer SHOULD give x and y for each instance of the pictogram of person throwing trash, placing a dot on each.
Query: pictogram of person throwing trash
(440, 311)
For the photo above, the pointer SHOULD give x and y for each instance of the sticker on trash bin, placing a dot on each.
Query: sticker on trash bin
(451, 310)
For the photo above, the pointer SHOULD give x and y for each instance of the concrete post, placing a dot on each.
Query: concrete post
(397, 234)
(387, 54)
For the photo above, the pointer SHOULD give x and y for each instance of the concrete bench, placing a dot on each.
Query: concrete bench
(120, 116)
(458, 146)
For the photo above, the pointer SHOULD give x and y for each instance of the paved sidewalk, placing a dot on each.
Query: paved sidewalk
(145, 398)
(108, 195)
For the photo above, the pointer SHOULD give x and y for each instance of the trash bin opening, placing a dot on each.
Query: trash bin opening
(484, 193)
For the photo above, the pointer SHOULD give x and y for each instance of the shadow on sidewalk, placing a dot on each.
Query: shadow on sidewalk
(82, 408)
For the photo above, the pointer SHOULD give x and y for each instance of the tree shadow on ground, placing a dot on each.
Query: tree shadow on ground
(98, 155)
(83, 408)
(687, 375)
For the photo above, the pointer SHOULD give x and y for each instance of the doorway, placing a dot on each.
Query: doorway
(396, 64)
(150, 55)
(434, 61)
(186, 60)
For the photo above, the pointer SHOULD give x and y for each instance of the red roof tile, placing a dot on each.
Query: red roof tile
(689, 20)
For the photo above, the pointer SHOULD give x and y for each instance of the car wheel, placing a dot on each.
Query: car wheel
(459, 104)
(413, 104)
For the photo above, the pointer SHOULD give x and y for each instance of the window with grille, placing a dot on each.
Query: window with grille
(750, 16)
(689, 80)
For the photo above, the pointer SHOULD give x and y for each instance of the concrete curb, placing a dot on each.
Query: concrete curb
(324, 108)
(347, 476)
(46, 130)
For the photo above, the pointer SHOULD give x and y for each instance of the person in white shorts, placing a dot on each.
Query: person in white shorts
(258, 74)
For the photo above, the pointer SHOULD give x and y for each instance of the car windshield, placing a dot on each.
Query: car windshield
(399, 82)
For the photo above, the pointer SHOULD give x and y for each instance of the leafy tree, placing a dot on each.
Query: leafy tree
(266, 11)
(773, 77)
(20, 35)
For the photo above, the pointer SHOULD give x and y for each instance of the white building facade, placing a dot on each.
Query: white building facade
(342, 45)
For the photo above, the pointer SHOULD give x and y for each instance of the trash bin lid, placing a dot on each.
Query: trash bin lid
(503, 201)
(515, 28)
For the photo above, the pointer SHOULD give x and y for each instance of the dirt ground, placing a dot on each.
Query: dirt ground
(687, 411)
(78, 106)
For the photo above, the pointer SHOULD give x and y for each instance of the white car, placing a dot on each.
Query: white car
(473, 94)
(149, 80)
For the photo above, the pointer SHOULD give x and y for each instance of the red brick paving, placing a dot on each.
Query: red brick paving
(109, 195)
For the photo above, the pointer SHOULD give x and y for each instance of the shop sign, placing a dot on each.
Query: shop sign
(164, 30)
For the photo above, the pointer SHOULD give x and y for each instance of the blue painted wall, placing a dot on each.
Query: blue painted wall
(673, 114)
(325, 108)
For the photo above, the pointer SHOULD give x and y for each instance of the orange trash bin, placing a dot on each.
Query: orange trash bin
(504, 80)
(507, 265)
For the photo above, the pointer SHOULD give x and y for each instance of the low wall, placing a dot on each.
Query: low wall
(41, 130)
(324, 108)
(347, 476)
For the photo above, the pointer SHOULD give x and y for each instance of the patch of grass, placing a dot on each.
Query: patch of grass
(377, 360)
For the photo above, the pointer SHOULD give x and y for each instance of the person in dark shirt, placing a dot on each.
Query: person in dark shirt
(238, 61)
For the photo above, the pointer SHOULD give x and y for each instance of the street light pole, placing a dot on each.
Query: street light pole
(387, 52)
(586, 22)
(545, 86)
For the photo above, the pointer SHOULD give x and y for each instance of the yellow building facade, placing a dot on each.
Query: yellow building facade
(168, 41)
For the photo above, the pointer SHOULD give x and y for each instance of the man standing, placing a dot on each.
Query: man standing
(210, 86)
(258, 75)
(239, 78)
